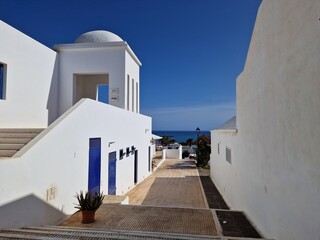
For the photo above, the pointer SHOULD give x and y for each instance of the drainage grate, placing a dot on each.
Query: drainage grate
(213, 196)
(235, 224)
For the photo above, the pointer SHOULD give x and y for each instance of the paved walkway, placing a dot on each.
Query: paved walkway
(171, 200)
(174, 183)
(149, 219)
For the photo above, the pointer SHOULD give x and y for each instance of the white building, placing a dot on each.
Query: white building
(267, 160)
(84, 144)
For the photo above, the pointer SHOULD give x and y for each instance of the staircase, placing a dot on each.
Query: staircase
(55, 232)
(13, 139)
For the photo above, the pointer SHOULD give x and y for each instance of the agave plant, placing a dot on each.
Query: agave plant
(89, 201)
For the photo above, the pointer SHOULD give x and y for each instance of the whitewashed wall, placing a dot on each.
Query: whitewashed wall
(221, 171)
(58, 158)
(99, 60)
(132, 69)
(275, 174)
(31, 82)
(172, 153)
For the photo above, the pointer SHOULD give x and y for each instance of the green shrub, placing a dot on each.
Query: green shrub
(89, 201)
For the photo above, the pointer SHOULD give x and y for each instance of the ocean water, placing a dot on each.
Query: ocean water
(181, 136)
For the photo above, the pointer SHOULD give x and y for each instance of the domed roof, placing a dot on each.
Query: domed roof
(99, 36)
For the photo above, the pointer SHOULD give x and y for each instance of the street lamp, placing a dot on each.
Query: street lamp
(198, 132)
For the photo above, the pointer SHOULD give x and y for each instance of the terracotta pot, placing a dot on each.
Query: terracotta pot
(88, 216)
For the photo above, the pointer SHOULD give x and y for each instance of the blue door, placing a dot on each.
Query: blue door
(94, 165)
(112, 171)
(135, 180)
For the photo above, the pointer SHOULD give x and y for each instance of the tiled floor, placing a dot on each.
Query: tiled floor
(174, 183)
(171, 200)
(150, 219)
(235, 224)
(213, 196)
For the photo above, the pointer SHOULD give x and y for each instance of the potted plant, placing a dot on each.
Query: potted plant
(88, 203)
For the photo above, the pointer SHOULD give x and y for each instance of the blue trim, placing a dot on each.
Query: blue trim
(94, 165)
(103, 93)
(112, 173)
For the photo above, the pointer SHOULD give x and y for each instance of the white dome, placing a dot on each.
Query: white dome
(99, 36)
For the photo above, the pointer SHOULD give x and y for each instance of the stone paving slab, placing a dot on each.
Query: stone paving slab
(235, 224)
(174, 183)
(214, 198)
(150, 219)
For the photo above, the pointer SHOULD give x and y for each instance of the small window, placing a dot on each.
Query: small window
(137, 97)
(128, 151)
(121, 154)
(228, 155)
(218, 148)
(128, 92)
(103, 93)
(2, 81)
(132, 95)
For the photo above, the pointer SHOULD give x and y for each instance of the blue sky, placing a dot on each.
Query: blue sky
(191, 50)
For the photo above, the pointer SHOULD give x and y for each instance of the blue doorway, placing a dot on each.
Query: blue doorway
(112, 173)
(94, 165)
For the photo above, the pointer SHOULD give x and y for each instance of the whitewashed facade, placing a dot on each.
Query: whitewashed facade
(272, 168)
(58, 90)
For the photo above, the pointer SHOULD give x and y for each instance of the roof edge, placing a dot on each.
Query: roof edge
(83, 46)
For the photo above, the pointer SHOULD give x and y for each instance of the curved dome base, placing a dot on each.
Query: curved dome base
(99, 36)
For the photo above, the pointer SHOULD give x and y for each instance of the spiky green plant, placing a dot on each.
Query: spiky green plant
(89, 201)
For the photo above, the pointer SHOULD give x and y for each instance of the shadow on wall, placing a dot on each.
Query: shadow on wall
(53, 98)
(29, 211)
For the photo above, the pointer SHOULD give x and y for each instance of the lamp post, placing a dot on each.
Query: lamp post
(198, 132)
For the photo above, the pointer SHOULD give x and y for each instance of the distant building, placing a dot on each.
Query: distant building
(266, 161)
(69, 121)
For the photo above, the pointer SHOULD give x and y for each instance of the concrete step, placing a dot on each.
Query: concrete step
(58, 232)
(11, 146)
(21, 130)
(7, 153)
(18, 135)
(87, 233)
(14, 140)
(90, 233)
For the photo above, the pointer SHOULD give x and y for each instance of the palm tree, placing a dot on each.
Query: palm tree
(167, 140)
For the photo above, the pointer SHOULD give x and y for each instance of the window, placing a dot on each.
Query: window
(137, 97)
(128, 91)
(218, 148)
(103, 93)
(2, 81)
(132, 95)
(228, 155)
(121, 154)
(128, 151)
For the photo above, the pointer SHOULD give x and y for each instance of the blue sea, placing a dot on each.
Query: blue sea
(181, 136)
